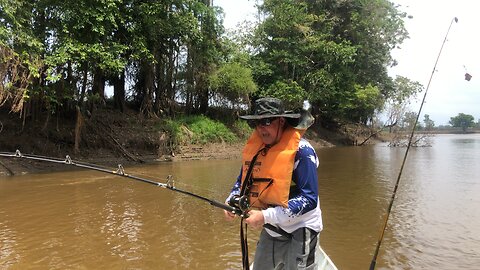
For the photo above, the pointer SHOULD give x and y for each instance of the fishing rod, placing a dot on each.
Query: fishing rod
(238, 205)
(120, 171)
(382, 233)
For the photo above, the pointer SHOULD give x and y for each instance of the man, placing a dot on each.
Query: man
(279, 176)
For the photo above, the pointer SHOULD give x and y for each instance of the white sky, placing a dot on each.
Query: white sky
(449, 93)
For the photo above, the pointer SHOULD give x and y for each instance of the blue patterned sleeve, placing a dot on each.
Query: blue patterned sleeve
(304, 197)
(236, 187)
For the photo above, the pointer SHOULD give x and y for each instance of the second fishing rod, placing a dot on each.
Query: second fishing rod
(397, 182)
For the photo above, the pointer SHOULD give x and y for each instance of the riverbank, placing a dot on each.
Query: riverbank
(190, 152)
(109, 138)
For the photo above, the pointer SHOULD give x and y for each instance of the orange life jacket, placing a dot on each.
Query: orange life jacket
(272, 174)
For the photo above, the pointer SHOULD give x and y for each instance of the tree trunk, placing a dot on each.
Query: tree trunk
(147, 88)
(119, 91)
(202, 90)
(98, 86)
(160, 99)
(72, 89)
(170, 78)
(84, 85)
(189, 81)
(78, 130)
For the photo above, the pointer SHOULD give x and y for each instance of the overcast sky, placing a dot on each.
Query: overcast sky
(449, 93)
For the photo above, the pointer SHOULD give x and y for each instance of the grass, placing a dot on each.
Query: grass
(199, 129)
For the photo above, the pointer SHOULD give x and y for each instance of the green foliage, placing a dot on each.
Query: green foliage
(289, 91)
(15, 31)
(174, 129)
(16, 75)
(86, 33)
(233, 82)
(408, 120)
(198, 130)
(330, 49)
(429, 123)
(242, 129)
(375, 27)
(404, 89)
(362, 106)
(462, 120)
(398, 99)
(333, 53)
(206, 130)
(83, 41)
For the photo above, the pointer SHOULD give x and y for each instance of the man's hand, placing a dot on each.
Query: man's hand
(255, 219)
(229, 216)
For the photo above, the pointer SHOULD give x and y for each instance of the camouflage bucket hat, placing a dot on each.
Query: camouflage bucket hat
(268, 108)
(273, 107)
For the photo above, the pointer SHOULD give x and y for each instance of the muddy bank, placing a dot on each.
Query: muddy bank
(109, 138)
(213, 151)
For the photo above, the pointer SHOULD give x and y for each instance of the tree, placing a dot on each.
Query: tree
(232, 83)
(462, 120)
(401, 139)
(397, 101)
(158, 53)
(362, 106)
(20, 61)
(408, 121)
(297, 49)
(335, 51)
(429, 123)
(203, 55)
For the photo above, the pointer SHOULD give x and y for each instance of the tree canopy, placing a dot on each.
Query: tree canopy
(333, 53)
(162, 57)
(463, 121)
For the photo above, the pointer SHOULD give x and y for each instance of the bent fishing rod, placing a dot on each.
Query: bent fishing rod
(389, 209)
(121, 172)
(238, 205)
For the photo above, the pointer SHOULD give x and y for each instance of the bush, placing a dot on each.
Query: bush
(197, 130)
(242, 129)
(206, 130)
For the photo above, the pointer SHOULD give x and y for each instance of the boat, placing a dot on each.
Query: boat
(324, 262)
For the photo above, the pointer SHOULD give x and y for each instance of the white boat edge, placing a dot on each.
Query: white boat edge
(324, 262)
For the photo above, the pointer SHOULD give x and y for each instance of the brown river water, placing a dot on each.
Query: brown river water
(90, 220)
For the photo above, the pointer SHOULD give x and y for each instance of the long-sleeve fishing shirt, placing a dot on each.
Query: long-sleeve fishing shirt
(303, 204)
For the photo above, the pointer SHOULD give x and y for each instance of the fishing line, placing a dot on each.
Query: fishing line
(382, 233)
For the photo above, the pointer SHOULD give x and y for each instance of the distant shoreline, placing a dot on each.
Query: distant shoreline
(474, 131)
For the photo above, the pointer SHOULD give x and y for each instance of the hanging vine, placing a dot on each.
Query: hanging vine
(15, 76)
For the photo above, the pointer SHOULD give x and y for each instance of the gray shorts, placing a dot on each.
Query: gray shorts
(284, 253)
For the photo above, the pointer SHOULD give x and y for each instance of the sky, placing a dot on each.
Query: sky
(449, 93)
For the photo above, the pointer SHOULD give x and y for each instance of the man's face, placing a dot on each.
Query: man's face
(270, 129)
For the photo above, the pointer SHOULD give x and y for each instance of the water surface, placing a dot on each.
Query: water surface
(89, 220)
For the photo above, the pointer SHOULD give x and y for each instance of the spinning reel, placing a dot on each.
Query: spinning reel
(242, 203)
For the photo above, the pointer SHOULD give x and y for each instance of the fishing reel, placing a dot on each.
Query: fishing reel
(240, 202)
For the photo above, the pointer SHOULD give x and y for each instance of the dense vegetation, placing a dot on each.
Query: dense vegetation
(173, 59)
